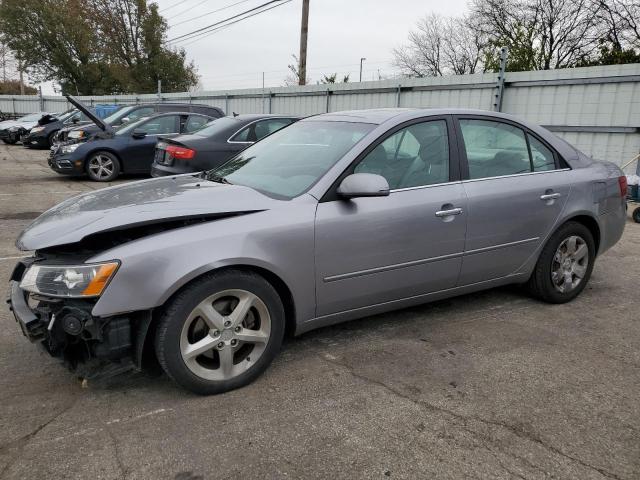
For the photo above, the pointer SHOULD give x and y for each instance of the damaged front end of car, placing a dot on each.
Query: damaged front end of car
(52, 296)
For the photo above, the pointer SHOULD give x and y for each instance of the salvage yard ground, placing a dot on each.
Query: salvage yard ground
(490, 385)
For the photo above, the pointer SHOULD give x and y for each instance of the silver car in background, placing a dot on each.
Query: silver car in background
(336, 217)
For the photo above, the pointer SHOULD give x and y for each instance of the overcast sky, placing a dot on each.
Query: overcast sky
(340, 33)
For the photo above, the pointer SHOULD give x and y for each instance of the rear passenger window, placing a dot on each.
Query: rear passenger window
(195, 122)
(541, 157)
(267, 127)
(494, 149)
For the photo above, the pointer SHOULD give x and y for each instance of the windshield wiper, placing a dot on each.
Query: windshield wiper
(215, 178)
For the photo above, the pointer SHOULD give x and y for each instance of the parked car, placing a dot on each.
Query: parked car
(42, 135)
(12, 130)
(130, 114)
(129, 150)
(338, 216)
(213, 144)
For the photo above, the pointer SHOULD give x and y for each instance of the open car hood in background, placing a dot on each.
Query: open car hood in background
(105, 127)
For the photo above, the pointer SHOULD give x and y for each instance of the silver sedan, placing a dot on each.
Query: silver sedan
(336, 217)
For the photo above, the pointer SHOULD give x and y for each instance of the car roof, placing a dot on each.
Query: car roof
(258, 116)
(381, 115)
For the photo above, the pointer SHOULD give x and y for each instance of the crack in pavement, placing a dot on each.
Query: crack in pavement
(21, 442)
(519, 432)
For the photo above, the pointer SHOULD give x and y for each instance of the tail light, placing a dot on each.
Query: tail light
(622, 181)
(181, 153)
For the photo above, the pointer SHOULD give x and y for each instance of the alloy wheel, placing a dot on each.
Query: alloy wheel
(101, 167)
(570, 264)
(225, 334)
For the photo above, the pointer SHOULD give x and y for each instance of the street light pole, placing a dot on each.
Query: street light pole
(361, 60)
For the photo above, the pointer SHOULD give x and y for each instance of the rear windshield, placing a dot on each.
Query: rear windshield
(216, 126)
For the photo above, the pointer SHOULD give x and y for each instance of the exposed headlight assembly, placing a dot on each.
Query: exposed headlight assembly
(36, 129)
(70, 148)
(76, 134)
(79, 281)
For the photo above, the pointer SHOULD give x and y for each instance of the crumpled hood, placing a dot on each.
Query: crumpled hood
(14, 123)
(140, 203)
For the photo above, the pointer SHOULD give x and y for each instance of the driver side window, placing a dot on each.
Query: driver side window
(414, 156)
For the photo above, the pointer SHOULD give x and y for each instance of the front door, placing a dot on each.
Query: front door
(375, 250)
(141, 150)
(516, 192)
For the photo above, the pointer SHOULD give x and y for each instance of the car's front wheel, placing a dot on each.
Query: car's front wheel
(565, 264)
(221, 332)
(102, 167)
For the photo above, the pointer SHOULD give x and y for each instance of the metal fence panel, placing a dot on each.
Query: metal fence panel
(595, 108)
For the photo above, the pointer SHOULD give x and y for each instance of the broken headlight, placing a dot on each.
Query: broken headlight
(78, 281)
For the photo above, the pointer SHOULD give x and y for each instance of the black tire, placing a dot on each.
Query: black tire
(10, 141)
(175, 320)
(98, 175)
(50, 139)
(541, 284)
(636, 215)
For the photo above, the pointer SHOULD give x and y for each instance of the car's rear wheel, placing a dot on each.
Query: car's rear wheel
(565, 264)
(636, 215)
(221, 332)
(102, 167)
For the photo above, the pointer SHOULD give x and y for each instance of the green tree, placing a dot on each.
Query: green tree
(95, 46)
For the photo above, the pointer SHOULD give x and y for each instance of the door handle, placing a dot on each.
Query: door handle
(550, 196)
(447, 213)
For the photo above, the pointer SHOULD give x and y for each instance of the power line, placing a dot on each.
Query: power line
(205, 14)
(172, 6)
(208, 27)
(207, 33)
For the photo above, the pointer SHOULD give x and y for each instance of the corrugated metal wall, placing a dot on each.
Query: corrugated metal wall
(595, 108)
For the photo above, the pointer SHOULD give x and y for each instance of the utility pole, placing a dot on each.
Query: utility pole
(160, 89)
(361, 60)
(304, 31)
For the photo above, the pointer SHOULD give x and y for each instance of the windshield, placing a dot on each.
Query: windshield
(118, 114)
(130, 127)
(34, 117)
(63, 116)
(215, 126)
(290, 161)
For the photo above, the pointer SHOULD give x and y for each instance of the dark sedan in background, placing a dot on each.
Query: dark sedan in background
(214, 144)
(42, 135)
(129, 150)
(132, 113)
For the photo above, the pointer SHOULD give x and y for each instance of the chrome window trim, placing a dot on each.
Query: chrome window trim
(419, 187)
(248, 125)
(555, 170)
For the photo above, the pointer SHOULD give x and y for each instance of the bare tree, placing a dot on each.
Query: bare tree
(293, 79)
(8, 66)
(441, 46)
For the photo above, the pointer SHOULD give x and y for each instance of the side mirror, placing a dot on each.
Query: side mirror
(75, 120)
(139, 133)
(363, 185)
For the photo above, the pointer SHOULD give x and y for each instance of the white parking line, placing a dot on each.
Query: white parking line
(42, 193)
(14, 258)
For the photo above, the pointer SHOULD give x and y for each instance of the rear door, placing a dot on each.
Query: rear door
(516, 188)
(381, 249)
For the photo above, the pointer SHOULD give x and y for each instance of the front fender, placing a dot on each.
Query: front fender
(154, 268)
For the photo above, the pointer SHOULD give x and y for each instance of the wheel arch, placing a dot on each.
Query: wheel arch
(592, 225)
(103, 149)
(281, 287)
